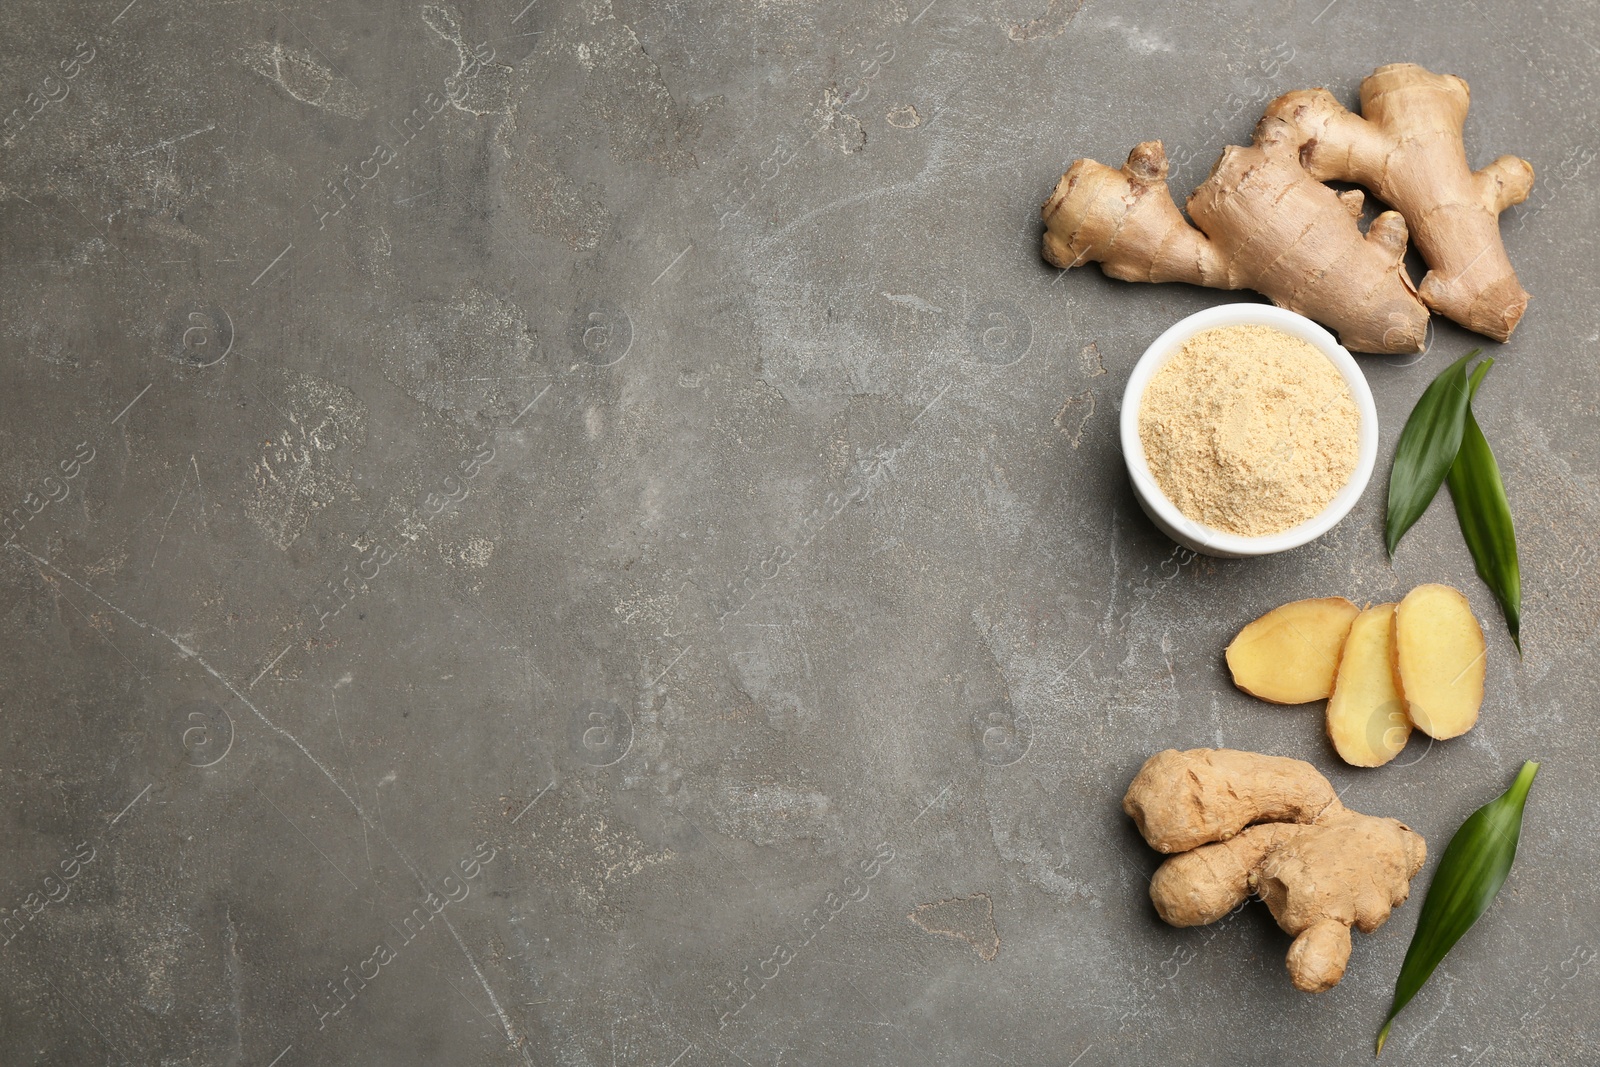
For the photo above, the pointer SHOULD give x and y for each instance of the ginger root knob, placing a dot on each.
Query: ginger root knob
(1261, 222)
(1407, 147)
(1243, 823)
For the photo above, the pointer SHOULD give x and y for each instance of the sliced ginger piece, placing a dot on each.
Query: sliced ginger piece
(1290, 654)
(1366, 715)
(1439, 655)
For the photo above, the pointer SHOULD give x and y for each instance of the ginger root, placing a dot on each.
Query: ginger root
(1406, 146)
(1244, 823)
(1263, 223)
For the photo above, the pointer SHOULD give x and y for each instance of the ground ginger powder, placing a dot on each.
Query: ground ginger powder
(1249, 430)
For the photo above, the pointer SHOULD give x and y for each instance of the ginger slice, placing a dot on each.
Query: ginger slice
(1291, 654)
(1366, 715)
(1406, 146)
(1439, 655)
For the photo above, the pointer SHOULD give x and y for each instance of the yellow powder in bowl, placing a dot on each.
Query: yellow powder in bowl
(1249, 430)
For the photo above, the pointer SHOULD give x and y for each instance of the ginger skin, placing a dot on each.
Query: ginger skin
(1406, 146)
(1263, 224)
(1242, 823)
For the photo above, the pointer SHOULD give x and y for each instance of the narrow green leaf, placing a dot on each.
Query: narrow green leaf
(1473, 868)
(1427, 448)
(1485, 515)
(1474, 380)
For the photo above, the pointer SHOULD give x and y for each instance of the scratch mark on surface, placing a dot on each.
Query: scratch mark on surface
(931, 803)
(532, 802)
(230, 933)
(333, 699)
(132, 402)
(313, 46)
(131, 803)
(274, 263)
(843, 201)
(494, 1001)
(1111, 602)
(669, 666)
(529, 406)
(200, 489)
(64, 997)
(674, 263)
(735, 1055)
(308, 840)
(929, 408)
(183, 485)
(175, 140)
(291, 498)
(475, 1009)
(1071, 665)
(269, 666)
(142, 676)
(189, 653)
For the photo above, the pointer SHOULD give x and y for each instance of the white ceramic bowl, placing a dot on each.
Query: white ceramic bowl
(1205, 539)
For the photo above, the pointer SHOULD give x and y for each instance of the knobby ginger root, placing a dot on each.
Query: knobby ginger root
(1263, 224)
(1244, 823)
(1406, 146)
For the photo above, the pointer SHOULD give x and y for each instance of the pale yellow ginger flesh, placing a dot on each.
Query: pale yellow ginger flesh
(1439, 655)
(1242, 823)
(1263, 224)
(1406, 146)
(1367, 720)
(1290, 654)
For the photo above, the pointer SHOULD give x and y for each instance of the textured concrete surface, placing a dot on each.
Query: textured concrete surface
(586, 534)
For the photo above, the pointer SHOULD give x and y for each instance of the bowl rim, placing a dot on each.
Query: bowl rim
(1207, 538)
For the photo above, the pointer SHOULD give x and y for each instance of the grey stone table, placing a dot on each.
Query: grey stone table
(585, 533)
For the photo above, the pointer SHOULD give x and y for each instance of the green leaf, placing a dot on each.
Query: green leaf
(1485, 515)
(1427, 448)
(1473, 868)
